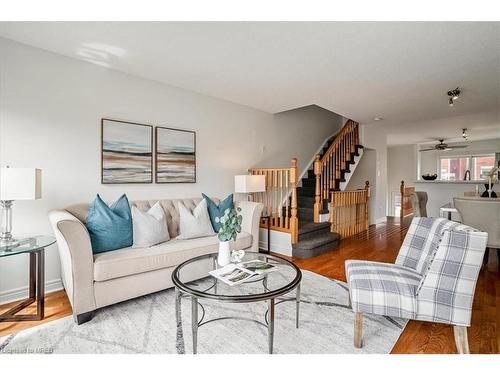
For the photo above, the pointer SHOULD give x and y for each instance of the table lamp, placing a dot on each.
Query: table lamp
(248, 183)
(16, 184)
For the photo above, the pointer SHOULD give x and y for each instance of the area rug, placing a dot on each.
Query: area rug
(148, 325)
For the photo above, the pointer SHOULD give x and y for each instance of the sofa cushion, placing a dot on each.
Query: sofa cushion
(170, 207)
(130, 261)
(110, 228)
(195, 223)
(150, 227)
(217, 210)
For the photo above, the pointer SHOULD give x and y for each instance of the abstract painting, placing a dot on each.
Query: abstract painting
(175, 155)
(127, 152)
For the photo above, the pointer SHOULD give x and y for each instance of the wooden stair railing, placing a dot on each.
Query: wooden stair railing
(349, 211)
(328, 168)
(281, 183)
(406, 207)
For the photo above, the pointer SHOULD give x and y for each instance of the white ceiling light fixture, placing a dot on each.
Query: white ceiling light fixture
(464, 133)
(453, 95)
(377, 118)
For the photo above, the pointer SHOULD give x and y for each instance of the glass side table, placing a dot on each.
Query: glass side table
(35, 247)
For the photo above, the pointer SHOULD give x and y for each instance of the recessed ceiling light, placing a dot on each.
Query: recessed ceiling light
(378, 118)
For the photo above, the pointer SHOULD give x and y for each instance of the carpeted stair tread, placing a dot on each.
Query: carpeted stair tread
(315, 245)
(306, 191)
(317, 241)
(306, 227)
(305, 213)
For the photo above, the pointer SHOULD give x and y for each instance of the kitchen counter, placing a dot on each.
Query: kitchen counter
(440, 192)
(472, 182)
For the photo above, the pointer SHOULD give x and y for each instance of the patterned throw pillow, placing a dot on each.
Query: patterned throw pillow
(110, 228)
(215, 210)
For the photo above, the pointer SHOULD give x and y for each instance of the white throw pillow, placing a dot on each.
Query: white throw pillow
(194, 224)
(150, 228)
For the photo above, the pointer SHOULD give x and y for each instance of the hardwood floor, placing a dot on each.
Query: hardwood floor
(381, 243)
(56, 306)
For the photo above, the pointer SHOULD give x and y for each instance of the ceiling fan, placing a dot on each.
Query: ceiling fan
(441, 146)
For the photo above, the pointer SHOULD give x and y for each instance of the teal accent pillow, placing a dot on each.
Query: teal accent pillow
(218, 210)
(110, 228)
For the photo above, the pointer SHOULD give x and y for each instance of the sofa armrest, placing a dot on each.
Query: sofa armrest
(77, 260)
(251, 212)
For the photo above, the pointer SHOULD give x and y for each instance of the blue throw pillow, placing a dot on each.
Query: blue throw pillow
(110, 228)
(218, 210)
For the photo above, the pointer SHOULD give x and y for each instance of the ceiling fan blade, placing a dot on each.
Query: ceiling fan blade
(452, 147)
(428, 149)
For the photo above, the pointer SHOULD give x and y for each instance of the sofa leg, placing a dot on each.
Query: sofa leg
(461, 340)
(83, 318)
(358, 329)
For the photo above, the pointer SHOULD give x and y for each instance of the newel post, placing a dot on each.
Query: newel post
(402, 191)
(294, 221)
(366, 218)
(317, 191)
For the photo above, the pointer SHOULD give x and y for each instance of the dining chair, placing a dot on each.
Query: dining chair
(483, 214)
(419, 203)
(433, 279)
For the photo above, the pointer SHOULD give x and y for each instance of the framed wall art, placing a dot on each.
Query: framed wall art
(126, 152)
(175, 155)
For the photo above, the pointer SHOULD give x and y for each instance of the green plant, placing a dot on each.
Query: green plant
(231, 224)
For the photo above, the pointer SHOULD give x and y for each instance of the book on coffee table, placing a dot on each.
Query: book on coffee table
(258, 266)
(234, 274)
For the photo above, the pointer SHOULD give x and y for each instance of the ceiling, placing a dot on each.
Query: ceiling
(361, 70)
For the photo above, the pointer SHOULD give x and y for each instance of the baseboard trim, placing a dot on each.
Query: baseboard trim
(21, 293)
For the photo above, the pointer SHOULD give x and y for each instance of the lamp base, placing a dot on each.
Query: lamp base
(6, 239)
(8, 244)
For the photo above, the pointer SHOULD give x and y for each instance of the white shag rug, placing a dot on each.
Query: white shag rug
(148, 325)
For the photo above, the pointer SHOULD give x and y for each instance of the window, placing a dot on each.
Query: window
(452, 168)
(482, 165)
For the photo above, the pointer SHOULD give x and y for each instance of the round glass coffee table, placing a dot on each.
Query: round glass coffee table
(192, 279)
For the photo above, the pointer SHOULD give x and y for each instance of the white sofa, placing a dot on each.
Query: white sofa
(97, 280)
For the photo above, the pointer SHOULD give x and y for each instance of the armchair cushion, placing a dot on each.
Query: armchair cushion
(382, 288)
(446, 292)
(421, 241)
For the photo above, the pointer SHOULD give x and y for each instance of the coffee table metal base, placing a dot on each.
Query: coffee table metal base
(269, 316)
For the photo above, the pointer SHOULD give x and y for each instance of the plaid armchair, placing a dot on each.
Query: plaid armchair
(433, 279)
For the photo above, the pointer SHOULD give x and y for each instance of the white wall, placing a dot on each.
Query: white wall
(374, 137)
(429, 159)
(50, 111)
(401, 166)
(305, 126)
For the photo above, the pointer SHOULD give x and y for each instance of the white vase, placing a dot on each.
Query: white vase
(224, 257)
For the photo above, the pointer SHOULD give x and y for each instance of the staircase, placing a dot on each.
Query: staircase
(315, 237)
(298, 210)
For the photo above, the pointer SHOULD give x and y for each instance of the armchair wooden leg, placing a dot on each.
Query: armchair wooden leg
(486, 256)
(461, 340)
(358, 329)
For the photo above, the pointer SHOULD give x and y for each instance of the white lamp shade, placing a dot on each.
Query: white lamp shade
(249, 183)
(20, 184)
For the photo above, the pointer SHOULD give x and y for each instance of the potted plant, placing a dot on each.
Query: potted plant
(230, 227)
